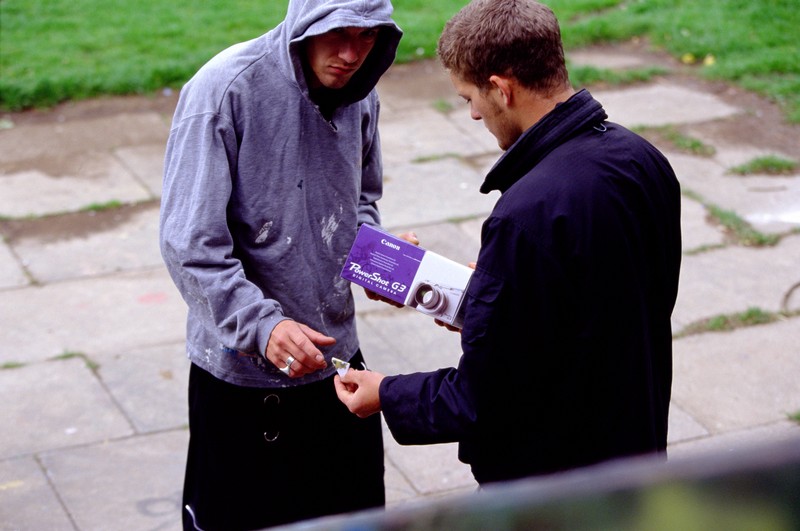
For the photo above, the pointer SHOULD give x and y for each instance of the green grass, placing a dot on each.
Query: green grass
(53, 50)
(100, 207)
(679, 141)
(739, 229)
(726, 322)
(68, 355)
(751, 43)
(770, 165)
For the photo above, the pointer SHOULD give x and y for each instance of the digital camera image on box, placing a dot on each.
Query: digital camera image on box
(408, 274)
(442, 302)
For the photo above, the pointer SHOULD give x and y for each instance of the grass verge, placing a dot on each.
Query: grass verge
(55, 50)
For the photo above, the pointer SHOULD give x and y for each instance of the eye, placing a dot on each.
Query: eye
(370, 34)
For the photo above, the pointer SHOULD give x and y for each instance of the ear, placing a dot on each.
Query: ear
(504, 86)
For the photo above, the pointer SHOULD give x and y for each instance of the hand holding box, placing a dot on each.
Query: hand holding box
(408, 274)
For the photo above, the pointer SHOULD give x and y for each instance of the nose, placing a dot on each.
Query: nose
(348, 51)
(475, 115)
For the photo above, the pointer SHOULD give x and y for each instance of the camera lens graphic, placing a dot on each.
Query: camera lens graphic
(430, 298)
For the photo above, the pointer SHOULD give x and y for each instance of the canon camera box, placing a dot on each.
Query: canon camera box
(408, 274)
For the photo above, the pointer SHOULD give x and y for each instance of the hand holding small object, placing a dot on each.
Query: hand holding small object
(359, 391)
(292, 348)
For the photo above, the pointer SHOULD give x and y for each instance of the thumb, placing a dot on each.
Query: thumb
(351, 377)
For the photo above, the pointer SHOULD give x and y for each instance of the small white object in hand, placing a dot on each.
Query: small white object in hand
(341, 366)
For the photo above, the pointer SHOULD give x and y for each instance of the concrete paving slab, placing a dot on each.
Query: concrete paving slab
(380, 356)
(407, 341)
(23, 146)
(131, 244)
(398, 489)
(472, 229)
(733, 279)
(696, 231)
(484, 162)
(433, 86)
(146, 162)
(606, 59)
(432, 468)
(12, 275)
(736, 441)
(701, 175)
(91, 178)
(60, 403)
(134, 483)
(661, 103)
(423, 133)
(475, 129)
(132, 322)
(92, 316)
(450, 240)
(429, 192)
(27, 501)
(682, 426)
(729, 156)
(149, 384)
(770, 203)
(734, 380)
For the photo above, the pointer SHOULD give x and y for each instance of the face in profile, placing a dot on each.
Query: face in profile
(335, 56)
(488, 105)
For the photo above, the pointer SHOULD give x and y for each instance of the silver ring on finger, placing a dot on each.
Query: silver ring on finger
(286, 370)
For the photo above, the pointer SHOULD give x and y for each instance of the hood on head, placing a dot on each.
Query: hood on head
(307, 18)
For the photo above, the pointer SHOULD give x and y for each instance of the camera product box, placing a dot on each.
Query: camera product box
(408, 274)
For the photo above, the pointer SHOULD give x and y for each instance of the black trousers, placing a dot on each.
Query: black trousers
(264, 457)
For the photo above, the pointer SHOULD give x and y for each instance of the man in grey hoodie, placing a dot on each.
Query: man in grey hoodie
(272, 164)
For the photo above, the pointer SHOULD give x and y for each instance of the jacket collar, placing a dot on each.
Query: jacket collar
(567, 119)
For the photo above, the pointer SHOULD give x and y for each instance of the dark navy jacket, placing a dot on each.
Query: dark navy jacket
(567, 347)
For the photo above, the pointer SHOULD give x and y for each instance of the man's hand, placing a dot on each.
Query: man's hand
(452, 328)
(447, 326)
(411, 238)
(298, 341)
(358, 390)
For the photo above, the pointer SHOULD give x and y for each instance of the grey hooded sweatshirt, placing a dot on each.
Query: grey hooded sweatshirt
(263, 192)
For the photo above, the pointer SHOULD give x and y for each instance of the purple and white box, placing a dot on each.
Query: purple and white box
(408, 274)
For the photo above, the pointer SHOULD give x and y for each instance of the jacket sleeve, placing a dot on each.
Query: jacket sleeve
(453, 404)
(196, 243)
(371, 167)
(427, 408)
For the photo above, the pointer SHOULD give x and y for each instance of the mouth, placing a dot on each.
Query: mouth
(342, 70)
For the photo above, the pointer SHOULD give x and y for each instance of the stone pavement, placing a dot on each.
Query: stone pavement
(92, 368)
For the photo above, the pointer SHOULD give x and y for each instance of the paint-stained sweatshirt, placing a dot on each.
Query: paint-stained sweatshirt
(263, 192)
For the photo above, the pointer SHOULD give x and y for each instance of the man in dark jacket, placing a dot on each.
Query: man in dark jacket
(567, 349)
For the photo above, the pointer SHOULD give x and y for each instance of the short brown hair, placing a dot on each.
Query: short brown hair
(519, 38)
